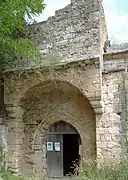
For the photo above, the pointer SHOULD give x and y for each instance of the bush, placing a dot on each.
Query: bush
(118, 171)
(8, 174)
(111, 171)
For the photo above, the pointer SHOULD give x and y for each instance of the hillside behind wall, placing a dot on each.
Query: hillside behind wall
(76, 32)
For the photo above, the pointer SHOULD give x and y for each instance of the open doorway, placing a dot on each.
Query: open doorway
(71, 156)
(63, 143)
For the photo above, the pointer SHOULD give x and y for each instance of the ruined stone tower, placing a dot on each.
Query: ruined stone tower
(77, 103)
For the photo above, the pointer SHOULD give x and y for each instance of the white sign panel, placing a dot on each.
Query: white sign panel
(57, 146)
(49, 146)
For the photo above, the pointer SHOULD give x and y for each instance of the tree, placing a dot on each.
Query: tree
(14, 44)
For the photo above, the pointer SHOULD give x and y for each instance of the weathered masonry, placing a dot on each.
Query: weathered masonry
(74, 111)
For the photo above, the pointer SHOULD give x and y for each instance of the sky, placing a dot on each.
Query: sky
(116, 12)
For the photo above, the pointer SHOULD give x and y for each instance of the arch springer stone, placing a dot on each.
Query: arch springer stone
(98, 106)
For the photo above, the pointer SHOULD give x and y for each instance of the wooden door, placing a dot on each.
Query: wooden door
(55, 155)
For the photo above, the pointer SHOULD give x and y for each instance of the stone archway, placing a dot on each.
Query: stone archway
(47, 104)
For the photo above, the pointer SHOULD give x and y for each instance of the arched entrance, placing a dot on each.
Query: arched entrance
(63, 143)
(43, 107)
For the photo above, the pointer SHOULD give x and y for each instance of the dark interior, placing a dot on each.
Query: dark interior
(70, 153)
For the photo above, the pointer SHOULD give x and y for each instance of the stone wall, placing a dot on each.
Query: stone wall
(85, 75)
(3, 144)
(115, 62)
(29, 97)
(60, 102)
(75, 92)
(110, 137)
(126, 120)
(76, 32)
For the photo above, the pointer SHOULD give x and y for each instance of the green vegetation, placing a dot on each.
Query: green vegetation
(8, 174)
(127, 128)
(126, 88)
(14, 44)
(106, 172)
(118, 171)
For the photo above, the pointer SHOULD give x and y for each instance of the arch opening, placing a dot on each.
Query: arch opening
(57, 108)
(63, 144)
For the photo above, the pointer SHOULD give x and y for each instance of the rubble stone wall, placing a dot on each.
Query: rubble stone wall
(37, 100)
(76, 32)
(51, 107)
(110, 133)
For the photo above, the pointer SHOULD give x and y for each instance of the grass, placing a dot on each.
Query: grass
(111, 171)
